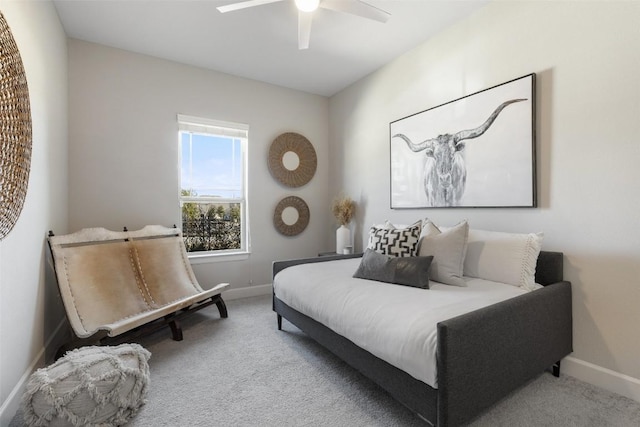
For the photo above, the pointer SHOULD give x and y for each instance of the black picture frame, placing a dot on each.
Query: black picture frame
(474, 151)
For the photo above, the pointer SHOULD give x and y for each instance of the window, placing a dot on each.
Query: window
(213, 185)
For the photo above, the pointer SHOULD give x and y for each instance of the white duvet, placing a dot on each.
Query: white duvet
(393, 322)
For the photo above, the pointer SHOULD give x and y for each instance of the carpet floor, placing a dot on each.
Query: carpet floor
(242, 371)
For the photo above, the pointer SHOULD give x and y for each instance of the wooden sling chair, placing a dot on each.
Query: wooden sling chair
(116, 286)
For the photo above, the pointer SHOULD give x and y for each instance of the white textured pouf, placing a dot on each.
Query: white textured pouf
(89, 386)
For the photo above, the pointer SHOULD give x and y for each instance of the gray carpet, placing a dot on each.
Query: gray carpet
(242, 371)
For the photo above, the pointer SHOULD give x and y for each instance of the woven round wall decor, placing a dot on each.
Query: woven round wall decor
(15, 128)
(303, 216)
(300, 146)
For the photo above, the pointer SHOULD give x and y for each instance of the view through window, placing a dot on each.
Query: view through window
(213, 189)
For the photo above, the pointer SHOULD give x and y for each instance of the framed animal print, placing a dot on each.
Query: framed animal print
(475, 151)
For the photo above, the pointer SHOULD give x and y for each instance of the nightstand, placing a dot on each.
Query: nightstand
(327, 253)
(335, 255)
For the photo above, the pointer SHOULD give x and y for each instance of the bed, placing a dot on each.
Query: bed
(484, 351)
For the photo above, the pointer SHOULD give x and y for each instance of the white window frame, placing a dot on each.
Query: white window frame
(199, 125)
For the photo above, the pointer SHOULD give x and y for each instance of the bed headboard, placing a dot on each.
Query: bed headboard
(549, 268)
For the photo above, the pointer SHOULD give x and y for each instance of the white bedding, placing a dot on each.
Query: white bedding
(393, 322)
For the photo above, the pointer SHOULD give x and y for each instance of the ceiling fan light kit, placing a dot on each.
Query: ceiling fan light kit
(306, 7)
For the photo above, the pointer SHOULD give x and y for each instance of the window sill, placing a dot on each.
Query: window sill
(223, 257)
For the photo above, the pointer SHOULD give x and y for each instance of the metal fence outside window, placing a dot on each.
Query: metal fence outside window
(211, 234)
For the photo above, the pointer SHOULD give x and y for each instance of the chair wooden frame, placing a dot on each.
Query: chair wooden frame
(117, 286)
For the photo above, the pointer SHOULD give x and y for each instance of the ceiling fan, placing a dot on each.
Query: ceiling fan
(307, 7)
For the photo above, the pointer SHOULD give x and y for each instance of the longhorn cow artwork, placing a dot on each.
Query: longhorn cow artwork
(444, 173)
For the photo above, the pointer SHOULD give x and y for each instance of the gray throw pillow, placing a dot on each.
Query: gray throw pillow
(408, 271)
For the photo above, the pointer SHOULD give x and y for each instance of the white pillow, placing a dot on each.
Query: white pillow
(392, 241)
(448, 249)
(503, 257)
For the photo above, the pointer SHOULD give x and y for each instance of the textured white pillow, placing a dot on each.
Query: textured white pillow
(503, 257)
(392, 241)
(448, 249)
(89, 386)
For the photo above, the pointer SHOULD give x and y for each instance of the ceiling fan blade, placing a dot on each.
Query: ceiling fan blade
(304, 29)
(356, 7)
(243, 5)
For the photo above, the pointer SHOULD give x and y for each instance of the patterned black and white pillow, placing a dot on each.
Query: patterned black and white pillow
(399, 242)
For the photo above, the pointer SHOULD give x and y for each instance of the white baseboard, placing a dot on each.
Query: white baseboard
(12, 403)
(602, 377)
(247, 292)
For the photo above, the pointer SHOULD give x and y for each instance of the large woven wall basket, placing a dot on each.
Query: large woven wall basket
(15, 131)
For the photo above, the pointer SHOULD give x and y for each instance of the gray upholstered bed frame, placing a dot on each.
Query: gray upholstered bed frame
(482, 356)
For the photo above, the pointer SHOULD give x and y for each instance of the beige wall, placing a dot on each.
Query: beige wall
(587, 64)
(123, 159)
(30, 308)
(123, 150)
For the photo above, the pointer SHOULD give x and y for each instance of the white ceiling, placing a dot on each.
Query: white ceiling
(260, 43)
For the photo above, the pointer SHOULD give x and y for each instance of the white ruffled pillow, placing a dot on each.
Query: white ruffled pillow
(503, 257)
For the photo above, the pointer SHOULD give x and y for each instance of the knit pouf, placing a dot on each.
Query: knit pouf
(89, 386)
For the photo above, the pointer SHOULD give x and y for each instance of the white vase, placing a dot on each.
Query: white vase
(343, 238)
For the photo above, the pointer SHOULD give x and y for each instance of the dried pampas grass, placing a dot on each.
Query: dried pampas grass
(343, 209)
